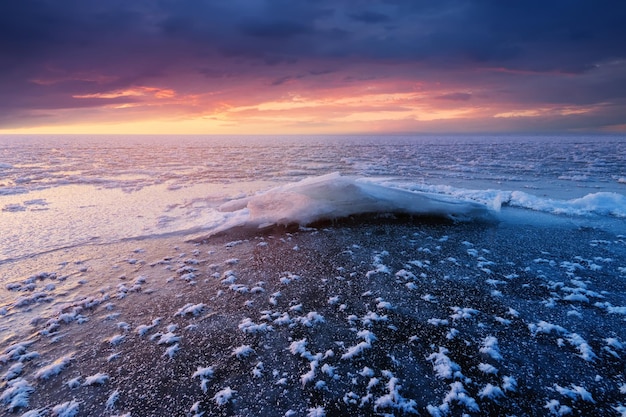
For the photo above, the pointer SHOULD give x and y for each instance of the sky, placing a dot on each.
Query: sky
(312, 66)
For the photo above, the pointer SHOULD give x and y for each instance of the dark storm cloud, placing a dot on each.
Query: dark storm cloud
(562, 35)
(135, 42)
(276, 29)
(367, 16)
(529, 34)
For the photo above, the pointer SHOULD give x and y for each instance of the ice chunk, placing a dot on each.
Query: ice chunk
(490, 347)
(603, 203)
(96, 379)
(575, 392)
(192, 309)
(113, 397)
(443, 365)
(203, 372)
(490, 391)
(316, 412)
(16, 393)
(333, 196)
(223, 396)
(242, 351)
(66, 409)
(55, 367)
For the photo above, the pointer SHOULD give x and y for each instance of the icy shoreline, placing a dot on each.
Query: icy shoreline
(379, 316)
(74, 215)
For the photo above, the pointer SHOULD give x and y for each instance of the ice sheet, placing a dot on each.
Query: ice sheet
(333, 196)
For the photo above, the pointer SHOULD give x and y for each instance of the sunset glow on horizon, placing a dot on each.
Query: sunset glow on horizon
(275, 67)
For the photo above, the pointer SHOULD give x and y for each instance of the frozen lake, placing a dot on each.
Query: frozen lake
(69, 190)
(313, 276)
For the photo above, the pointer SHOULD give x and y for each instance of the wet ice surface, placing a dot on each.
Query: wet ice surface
(370, 316)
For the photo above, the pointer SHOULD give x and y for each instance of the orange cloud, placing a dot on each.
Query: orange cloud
(545, 111)
(324, 104)
(132, 92)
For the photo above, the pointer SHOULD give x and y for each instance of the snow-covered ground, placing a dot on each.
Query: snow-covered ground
(368, 316)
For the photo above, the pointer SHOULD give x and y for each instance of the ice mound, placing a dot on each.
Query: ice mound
(602, 203)
(599, 204)
(333, 196)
